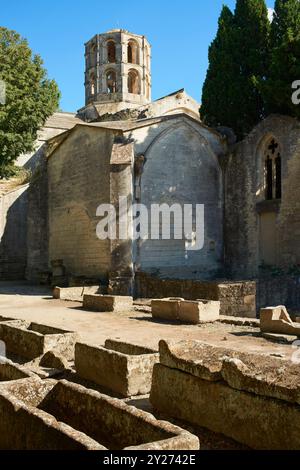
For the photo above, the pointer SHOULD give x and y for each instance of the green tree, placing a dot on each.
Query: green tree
(30, 98)
(240, 64)
(218, 90)
(284, 59)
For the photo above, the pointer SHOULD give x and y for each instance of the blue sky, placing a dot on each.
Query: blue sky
(179, 32)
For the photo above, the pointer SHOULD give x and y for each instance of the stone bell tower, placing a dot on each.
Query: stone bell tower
(117, 70)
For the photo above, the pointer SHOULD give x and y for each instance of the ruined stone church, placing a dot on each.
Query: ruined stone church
(154, 152)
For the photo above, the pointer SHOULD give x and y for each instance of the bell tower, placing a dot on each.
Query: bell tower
(118, 69)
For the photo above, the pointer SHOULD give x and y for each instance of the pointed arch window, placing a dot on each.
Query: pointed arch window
(273, 164)
(111, 81)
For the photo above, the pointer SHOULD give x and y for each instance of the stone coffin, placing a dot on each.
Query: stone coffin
(74, 294)
(166, 309)
(31, 340)
(50, 415)
(251, 398)
(125, 369)
(186, 311)
(107, 303)
(277, 320)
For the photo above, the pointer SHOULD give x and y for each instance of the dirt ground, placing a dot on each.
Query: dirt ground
(35, 303)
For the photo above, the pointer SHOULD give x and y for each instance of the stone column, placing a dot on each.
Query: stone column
(121, 185)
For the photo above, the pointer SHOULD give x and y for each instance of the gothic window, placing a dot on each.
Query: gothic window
(272, 170)
(133, 82)
(111, 52)
(133, 52)
(111, 82)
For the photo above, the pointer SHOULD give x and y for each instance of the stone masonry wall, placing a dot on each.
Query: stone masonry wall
(79, 181)
(244, 191)
(37, 223)
(13, 234)
(237, 298)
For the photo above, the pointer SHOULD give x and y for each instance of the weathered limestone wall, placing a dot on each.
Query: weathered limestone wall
(244, 199)
(55, 125)
(236, 298)
(79, 181)
(13, 233)
(279, 291)
(181, 167)
(37, 223)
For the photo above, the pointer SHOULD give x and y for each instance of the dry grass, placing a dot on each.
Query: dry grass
(7, 185)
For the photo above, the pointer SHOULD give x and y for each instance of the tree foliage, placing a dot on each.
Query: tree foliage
(237, 62)
(30, 97)
(219, 86)
(284, 59)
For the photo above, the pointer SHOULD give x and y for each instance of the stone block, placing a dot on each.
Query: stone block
(126, 369)
(51, 415)
(107, 303)
(200, 311)
(254, 420)
(277, 320)
(257, 373)
(74, 294)
(31, 340)
(252, 398)
(54, 361)
(186, 311)
(166, 309)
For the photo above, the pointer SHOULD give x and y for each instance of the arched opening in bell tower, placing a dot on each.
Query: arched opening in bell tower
(134, 85)
(111, 81)
(111, 52)
(133, 52)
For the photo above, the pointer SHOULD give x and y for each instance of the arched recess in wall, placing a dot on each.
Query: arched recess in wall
(181, 168)
(133, 52)
(111, 81)
(134, 82)
(111, 51)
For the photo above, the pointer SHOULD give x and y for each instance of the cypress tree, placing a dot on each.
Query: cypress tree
(218, 89)
(284, 59)
(237, 64)
(252, 29)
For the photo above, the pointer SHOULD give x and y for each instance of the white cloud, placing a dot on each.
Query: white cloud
(270, 14)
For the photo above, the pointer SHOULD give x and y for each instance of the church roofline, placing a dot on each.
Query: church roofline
(125, 126)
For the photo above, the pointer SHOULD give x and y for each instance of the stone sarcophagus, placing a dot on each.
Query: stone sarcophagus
(107, 303)
(31, 340)
(277, 320)
(51, 415)
(186, 311)
(124, 368)
(252, 398)
(74, 294)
